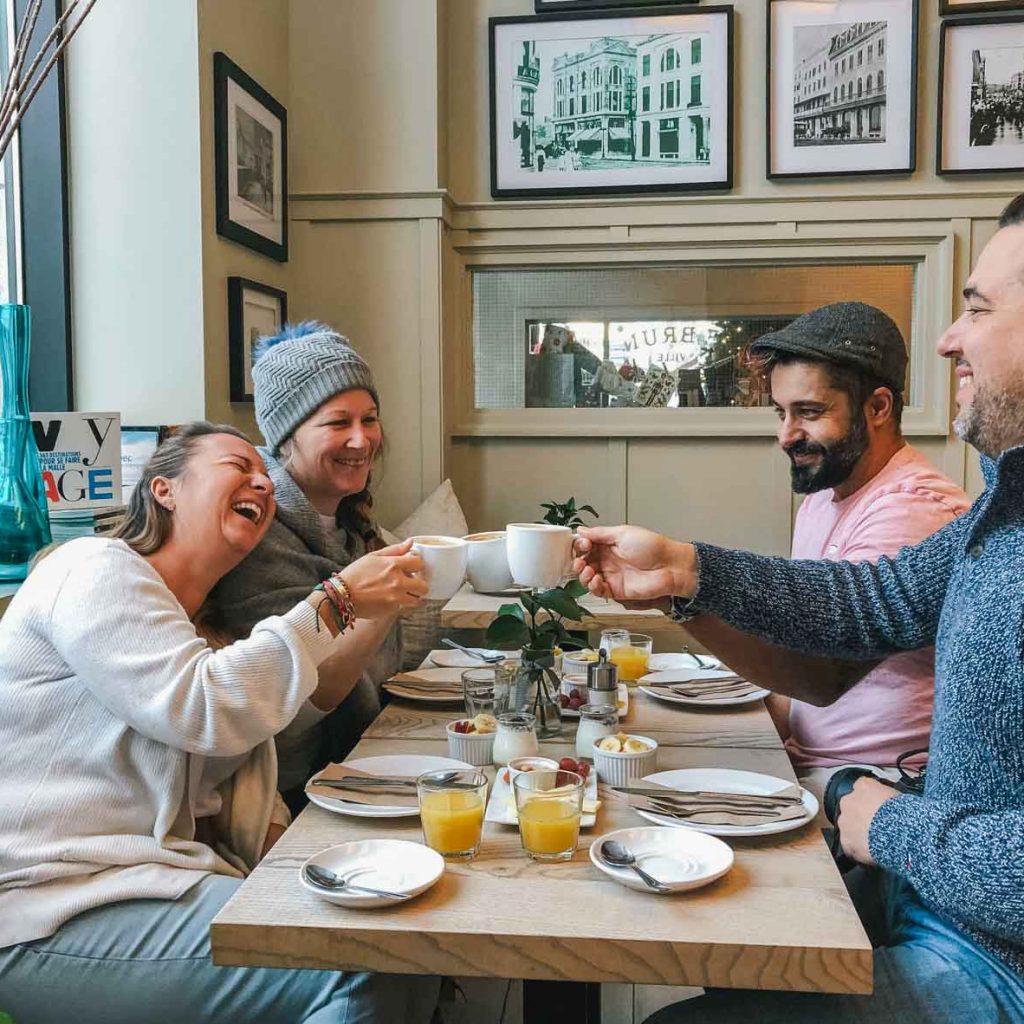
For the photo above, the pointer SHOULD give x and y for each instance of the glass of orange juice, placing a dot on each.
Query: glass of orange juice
(452, 807)
(549, 805)
(631, 653)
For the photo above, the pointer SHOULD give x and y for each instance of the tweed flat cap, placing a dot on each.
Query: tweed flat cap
(847, 333)
(296, 371)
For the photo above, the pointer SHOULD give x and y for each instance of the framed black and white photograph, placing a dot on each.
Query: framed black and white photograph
(254, 310)
(589, 104)
(547, 6)
(842, 95)
(981, 95)
(251, 147)
(978, 6)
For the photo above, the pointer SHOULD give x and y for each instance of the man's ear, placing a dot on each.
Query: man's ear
(879, 406)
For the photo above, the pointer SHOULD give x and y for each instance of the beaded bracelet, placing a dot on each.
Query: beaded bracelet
(341, 601)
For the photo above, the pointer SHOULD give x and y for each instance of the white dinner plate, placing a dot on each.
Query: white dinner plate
(728, 780)
(501, 805)
(387, 764)
(392, 864)
(451, 658)
(668, 661)
(681, 860)
(688, 675)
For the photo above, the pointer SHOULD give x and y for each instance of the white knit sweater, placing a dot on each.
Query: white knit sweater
(120, 727)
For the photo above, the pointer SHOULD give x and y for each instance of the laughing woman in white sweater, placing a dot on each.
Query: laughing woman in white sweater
(137, 762)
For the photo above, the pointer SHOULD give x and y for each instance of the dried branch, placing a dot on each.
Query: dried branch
(24, 94)
(28, 26)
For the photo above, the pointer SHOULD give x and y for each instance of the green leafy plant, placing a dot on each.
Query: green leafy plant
(566, 513)
(519, 625)
(537, 626)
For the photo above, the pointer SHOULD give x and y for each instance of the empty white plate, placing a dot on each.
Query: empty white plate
(451, 658)
(727, 780)
(681, 860)
(668, 662)
(392, 864)
(403, 765)
(680, 676)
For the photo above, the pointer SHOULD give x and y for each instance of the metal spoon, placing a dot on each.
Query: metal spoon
(490, 659)
(322, 878)
(618, 856)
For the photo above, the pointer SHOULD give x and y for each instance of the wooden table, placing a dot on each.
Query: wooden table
(470, 610)
(781, 918)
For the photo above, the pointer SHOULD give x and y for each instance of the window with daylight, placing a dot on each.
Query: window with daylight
(33, 221)
(695, 51)
(671, 337)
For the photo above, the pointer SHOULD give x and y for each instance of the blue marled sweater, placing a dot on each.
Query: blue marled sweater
(961, 845)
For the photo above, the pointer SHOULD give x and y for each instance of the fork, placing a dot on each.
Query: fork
(322, 878)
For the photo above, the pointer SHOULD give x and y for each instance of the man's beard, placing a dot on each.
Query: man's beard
(837, 459)
(994, 421)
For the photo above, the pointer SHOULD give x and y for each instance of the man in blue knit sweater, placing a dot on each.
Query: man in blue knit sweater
(954, 857)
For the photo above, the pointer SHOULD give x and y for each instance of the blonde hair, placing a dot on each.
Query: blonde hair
(147, 524)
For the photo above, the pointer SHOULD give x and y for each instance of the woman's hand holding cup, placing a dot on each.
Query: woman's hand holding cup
(385, 581)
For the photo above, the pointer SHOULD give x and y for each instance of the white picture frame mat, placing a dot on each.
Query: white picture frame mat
(961, 41)
(508, 42)
(239, 210)
(894, 153)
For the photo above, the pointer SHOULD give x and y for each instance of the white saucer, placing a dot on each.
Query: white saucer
(728, 780)
(450, 658)
(409, 765)
(681, 860)
(393, 864)
(668, 662)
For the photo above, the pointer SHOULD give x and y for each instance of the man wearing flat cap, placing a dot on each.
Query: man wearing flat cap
(836, 377)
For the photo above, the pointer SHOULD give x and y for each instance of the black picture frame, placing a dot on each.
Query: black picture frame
(241, 331)
(953, 25)
(946, 7)
(911, 163)
(552, 6)
(709, 137)
(263, 234)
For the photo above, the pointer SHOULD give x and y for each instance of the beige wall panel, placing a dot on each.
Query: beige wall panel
(730, 492)
(504, 480)
(363, 279)
(365, 88)
(946, 454)
(255, 36)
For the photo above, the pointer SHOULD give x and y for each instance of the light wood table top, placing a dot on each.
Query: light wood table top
(470, 610)
(781, 918)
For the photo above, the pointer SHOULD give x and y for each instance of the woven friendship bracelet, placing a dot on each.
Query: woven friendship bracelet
(341, 598)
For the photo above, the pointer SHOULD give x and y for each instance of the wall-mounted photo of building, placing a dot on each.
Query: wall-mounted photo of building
(839, 84)
(615, 101)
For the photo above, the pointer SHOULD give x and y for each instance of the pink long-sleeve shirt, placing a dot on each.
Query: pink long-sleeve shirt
(890, 711)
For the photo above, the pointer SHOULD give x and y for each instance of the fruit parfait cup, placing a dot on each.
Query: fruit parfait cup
(622, 759)
(472, 739)
(549, 805)
(452, 811)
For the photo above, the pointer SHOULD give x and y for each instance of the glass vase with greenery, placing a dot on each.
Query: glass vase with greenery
(536, 626)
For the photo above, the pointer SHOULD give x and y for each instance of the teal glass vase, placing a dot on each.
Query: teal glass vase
(24, 523)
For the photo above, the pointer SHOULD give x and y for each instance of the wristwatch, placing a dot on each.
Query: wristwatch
(683, 609)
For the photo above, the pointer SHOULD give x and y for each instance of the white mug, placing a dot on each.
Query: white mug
(539, 554)
(445, 561)
(487, 567)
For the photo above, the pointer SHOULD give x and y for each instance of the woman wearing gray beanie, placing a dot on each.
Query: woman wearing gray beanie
(318, 410)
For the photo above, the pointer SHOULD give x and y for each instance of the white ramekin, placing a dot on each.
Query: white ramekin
(622, 769)
(475, 748)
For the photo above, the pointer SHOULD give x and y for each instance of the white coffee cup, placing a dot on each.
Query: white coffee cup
(445, 561)
(487, 566)
(539, 554)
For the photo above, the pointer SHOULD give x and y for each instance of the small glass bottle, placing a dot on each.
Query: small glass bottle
(516, 737)
(596, 720)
